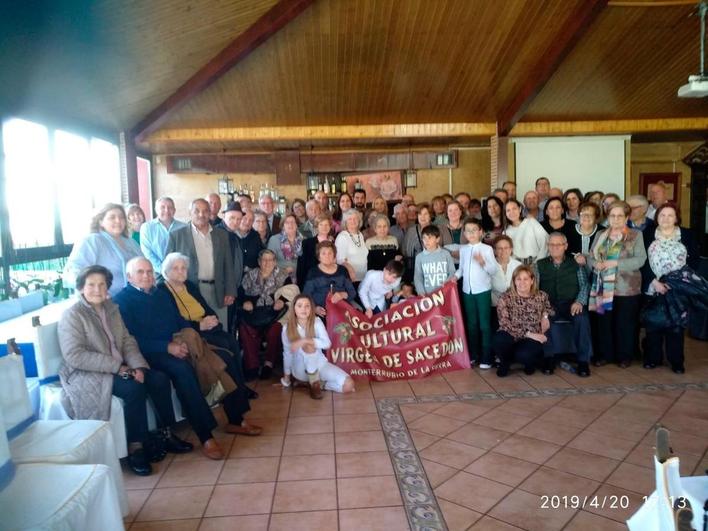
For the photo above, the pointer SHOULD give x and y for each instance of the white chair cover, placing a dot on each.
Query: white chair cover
(53, 441)
(56, 497)
(61, 498)
(656, 514)
(33, 390)
(49, 360)
(51, 408)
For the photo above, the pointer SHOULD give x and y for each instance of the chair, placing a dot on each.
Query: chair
(53, 441)
(56, 497)
(49, 360)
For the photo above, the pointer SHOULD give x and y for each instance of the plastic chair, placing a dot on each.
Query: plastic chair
(77, 498)
(53, 441)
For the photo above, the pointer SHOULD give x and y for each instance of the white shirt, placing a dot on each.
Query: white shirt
(352, 248)
(530, 239)
(205, 253)
(475, 278)
(373, 290)
(501, 280)
(321, 339)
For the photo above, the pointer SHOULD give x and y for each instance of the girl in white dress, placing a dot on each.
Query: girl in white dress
(304, 340)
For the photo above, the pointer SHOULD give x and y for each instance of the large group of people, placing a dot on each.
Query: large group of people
(224, 298)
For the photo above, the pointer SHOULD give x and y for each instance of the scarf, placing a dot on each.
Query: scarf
(602, 291)
(290, 251)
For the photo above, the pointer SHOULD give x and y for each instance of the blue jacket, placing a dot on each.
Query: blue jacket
(151, 318)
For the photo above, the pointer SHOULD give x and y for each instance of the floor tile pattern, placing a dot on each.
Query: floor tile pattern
(460, 451)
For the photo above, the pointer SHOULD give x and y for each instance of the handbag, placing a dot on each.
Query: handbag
(262, 316)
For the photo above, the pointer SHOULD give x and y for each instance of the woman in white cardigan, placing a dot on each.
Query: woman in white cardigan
(352, 251)
(304, 340)
(529, 237)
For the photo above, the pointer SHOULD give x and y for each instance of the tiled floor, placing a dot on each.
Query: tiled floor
(466, 450)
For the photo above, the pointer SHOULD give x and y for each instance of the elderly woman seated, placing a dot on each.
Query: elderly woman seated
(102, 359)
(195, 309)
(260, 313)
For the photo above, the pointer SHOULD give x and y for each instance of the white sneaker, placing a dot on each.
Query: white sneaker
(485, 366)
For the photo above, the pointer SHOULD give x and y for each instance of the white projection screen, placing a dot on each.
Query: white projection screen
(585, 162)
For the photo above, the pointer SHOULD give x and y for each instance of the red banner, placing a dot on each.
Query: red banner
(416, 338)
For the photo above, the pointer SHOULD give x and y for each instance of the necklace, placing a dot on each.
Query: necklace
(358, 241)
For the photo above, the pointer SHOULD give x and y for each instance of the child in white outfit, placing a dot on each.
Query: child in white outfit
(304, 339)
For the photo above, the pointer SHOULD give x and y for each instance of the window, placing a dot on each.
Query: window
(29, 185)
(65, 171)
(74, 192)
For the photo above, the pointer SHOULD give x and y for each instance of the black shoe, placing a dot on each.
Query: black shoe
(139, 464)
(252, 395)
(549, 365)
(599, 363)
(583, 369)
(649, 365)
(624, 364)
(528, 371)
(266, 372)
(678, 369)
(502, 371)
(154, 446)
(175, 445)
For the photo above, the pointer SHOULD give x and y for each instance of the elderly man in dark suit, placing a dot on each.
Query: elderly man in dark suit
(230, 225)
(211, 261)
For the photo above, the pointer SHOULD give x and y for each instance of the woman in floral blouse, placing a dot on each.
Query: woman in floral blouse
(257, 319)
(523, 313)
(672, 249)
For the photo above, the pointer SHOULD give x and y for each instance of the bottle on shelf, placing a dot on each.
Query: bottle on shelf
(344, 185)
(333, 186)
(326, 185)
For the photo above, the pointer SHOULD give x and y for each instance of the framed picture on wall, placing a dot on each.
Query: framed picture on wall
(387, 184)
(671, 181)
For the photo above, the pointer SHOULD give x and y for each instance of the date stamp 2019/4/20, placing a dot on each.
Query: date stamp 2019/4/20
(603, 502)
(582, 502)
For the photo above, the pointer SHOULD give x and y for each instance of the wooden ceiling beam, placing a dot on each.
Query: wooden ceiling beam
(604, 127)
(327, 132)
(267, 25)
(578, 22)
